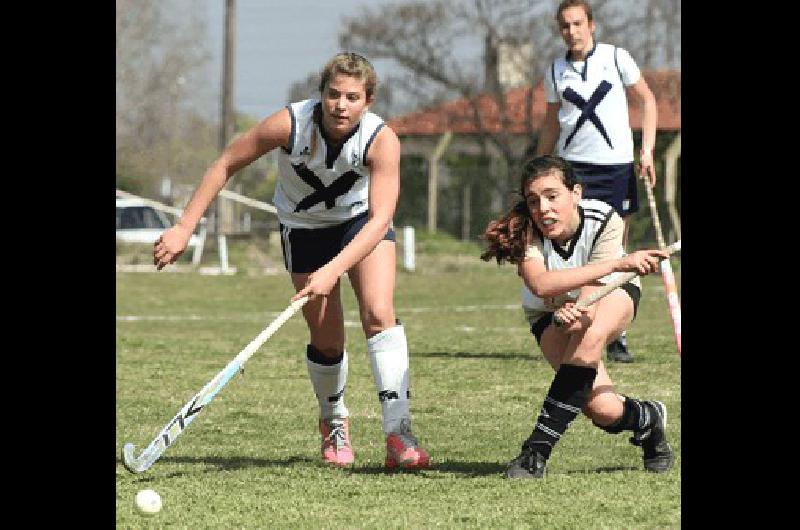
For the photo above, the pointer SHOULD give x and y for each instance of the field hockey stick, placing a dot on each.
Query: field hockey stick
(623, 279)
(190, 410)
(667, 275)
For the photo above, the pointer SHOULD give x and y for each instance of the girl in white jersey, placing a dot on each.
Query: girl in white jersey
(587, 122)
(565, 248)
(336, 195)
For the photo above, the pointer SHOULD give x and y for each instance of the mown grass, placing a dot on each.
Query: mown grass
(250, 460)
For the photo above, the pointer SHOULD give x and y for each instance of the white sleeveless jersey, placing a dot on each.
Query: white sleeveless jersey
(594, 218)
(594, 120)
(323, 188)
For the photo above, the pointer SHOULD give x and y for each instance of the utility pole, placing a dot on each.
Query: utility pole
(226, 126)
(226, 120)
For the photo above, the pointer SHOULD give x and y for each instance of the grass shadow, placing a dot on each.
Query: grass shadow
(481, 355)
(471, 469)
(607, 469)
(466, 468)
(226, 464)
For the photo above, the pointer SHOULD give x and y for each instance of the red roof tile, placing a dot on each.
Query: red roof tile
(457, 116)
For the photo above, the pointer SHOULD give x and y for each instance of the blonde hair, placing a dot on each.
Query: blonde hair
(347, 63)
(352, 64)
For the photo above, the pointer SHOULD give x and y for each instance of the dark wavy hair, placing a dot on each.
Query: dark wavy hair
(511, 235)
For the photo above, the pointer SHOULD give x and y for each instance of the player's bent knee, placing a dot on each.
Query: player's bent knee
(374, 321)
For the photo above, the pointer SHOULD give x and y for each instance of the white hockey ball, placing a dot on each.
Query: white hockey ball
(148, 501)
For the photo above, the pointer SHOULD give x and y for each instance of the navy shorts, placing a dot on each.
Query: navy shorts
(614, 184)
(308, 249)
(538, 327)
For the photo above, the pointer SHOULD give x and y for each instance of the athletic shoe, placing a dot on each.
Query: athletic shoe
(616, 351)
(529, 464)
(657, 454)
(403, 449)
(336, 447)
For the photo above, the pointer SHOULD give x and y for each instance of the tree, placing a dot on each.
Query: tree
(160, 54)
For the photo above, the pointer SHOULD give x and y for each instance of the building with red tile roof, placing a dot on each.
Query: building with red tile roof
(459, 117)
(459, 126)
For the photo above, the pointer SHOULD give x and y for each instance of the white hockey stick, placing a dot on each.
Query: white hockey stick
(623, 279)
(190, 410)
(667, 276)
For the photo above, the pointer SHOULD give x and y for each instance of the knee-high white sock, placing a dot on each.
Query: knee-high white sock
(329, 382)
(388, 355)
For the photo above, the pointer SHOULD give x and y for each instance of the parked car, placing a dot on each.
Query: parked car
(138, 222)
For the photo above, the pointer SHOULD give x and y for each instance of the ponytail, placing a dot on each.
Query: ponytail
(510, 236)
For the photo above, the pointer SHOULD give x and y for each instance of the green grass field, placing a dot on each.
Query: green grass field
(251, 458)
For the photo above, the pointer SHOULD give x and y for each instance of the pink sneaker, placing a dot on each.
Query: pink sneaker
(403, 450)
(336, 447)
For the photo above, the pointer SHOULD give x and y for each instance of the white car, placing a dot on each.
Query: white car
(138, 222)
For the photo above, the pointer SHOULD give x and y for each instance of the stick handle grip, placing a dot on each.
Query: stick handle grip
(651, 199)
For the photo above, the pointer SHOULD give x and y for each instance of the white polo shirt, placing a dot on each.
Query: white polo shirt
(594, 120)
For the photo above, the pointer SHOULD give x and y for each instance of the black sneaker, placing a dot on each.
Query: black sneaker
(657, 455)
(616, 351)
(529, 464)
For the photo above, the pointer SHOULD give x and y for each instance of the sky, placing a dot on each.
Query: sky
(277, 43)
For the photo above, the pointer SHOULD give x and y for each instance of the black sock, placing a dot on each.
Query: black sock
(568, 394)
(316, 356)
